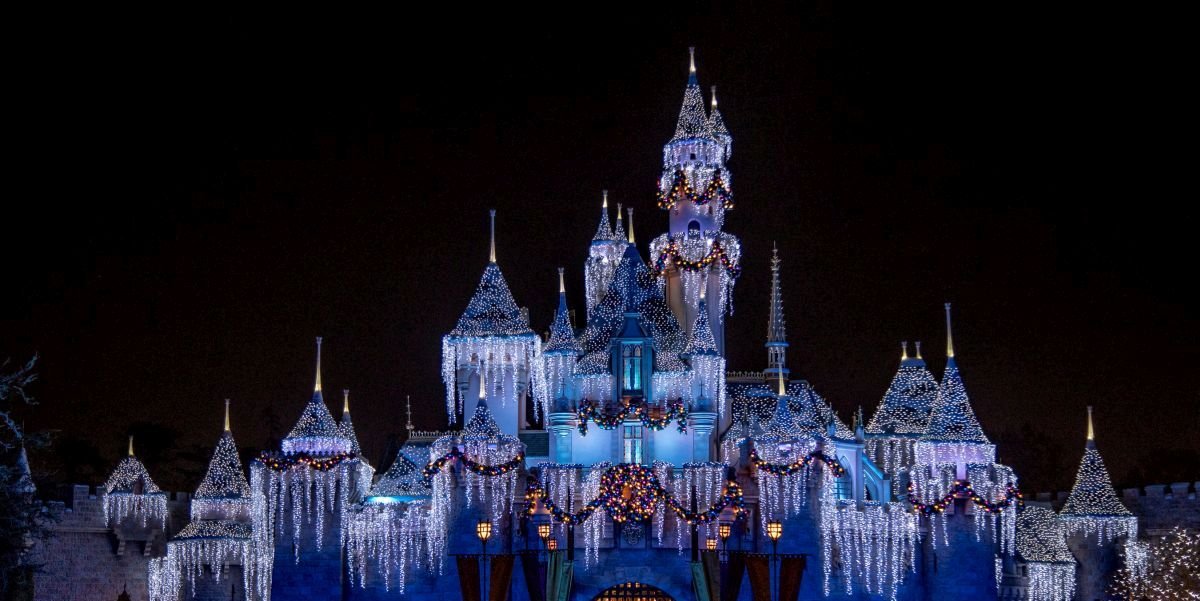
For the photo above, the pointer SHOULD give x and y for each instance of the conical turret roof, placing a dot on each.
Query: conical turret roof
(1093, 494)
(562, 333)
(492, 310)
(702, 340)
(225, 478)
(346, 426)
(952, 418)
(604, 231)
(693, 120)
(716, 124)
(909, 399)
(315, 420)
(126, 476)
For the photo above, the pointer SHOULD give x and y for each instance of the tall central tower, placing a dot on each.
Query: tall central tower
(694, 189)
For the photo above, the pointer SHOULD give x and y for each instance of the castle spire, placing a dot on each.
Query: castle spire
(1089, 430)
(317, 386)
(482, 383)
(345, 401)
(226, 415)
(630, 209)
(408, 425)
(949, 335)
(619, 234)
(492, 254)
(562, 333)
(562, 287)
(693, 120)
(919, 349)
(716, 123)
(604, 231)
(776, 327)
(1091, 433)
(782, 387)
(904, 351)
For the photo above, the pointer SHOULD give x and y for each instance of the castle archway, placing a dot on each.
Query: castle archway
(632, 590)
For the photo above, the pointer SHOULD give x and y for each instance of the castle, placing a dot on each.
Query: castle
(617, 459)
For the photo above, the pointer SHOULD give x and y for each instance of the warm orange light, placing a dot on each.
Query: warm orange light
(775, 530)
(483, 530)
(552, 544)
(710, 543)
(724, 531)
(543, 531)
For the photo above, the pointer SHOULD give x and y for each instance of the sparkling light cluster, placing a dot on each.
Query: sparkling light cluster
(952, 418)
(902, 417)
(1093, 507)
(388, 538)
(1042, 543)
(1166, 569)
(872, 547)
(493, 330)
(697, 257)
(130, 493)
(316, 433)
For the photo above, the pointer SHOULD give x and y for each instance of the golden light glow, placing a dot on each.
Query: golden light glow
(226, 421)
(552, 544)
(691, 59)
(710, 543)
(949, 337)
(630, 209)
(131, 442)
(345, 400)
(543, 531)
(1091, 433)
(604, 193)
(317, 387)
(492, 255)
(483, 529)
(724, 531)
(775, 530)
(562, 287)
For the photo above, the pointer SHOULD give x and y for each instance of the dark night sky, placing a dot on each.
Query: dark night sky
(202, 197)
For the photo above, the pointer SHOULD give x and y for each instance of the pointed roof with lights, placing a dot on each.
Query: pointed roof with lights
(1093, 494)
(1041, 536)
(702, 341)
(693, 121)
(562, 333)
(952, 419)
(604, 232)
(225, 478)
(634, 289)
(492, 310)
(126, 476)
(405, 477)
(619, 234)
(316, 422)
(347, 426)
(716, 124)
(909, 399)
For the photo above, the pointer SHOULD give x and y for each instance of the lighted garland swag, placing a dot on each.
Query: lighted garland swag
(590, 411)
(716, 253)
(682, 189)
(283, 462)
(645, 492)
(787, 469)
(482, 469)
(962, 487)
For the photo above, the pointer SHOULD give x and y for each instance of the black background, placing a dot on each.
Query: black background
(195, 197)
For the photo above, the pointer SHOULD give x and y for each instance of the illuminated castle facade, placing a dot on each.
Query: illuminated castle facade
(621, 457)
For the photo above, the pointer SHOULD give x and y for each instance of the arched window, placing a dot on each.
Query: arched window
(631, 368)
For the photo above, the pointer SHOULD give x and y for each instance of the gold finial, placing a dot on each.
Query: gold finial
(714, 97)
(904, 350)
(1091, 432)
(918, 349)
(619, 211)
(630, 229)
(492, 256)
(691, 59)
(317, 387)
(604, 194)
(562, 287)
(345, 400)
(131, 445)
(782, 386)
(949, 336)
(226, 415)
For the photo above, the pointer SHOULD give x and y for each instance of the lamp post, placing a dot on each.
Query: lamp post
(775, 532)
(543, 532)
(724, 530)
(483, 530)
(710, 544)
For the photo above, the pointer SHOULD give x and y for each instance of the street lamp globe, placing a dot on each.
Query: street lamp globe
(775, 530)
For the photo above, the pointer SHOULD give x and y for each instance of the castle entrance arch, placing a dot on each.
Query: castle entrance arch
(627, 591)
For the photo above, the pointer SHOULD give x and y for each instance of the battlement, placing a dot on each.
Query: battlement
(1159, 507)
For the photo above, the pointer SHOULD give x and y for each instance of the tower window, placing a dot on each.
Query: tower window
(631, 441)
(692, 156)
(631, 367)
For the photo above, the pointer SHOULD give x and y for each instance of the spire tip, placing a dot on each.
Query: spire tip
(492, 255)
(949, 335)
(630, 209)
(226, 415)
(1091, 434)
(904, 351)
(562, 286)
(131, 444)
(317, 386)
(345, 400)
(691, 59)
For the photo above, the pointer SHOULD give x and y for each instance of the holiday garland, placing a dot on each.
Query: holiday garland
(631, 492)
(962, 488)
(591, 411)
(682, 189)
(482, 469)
(715, 253)
(787, 469)
(282, 462)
